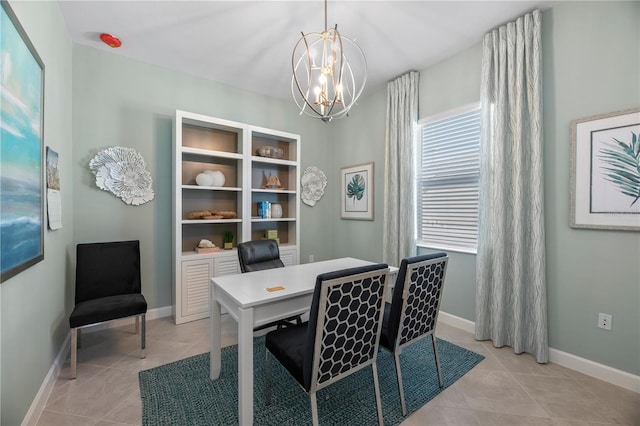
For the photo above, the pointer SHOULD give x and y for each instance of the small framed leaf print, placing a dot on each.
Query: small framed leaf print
(357, 192)
(605, 171)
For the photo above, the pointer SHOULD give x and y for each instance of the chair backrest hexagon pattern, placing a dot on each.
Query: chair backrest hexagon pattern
(345, 322)
(421, 300)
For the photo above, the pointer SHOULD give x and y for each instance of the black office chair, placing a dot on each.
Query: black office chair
(346, 310)
(413, 311)
(259, 255)
(108, 287)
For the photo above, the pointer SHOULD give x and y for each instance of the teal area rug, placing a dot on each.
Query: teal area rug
(181, 393)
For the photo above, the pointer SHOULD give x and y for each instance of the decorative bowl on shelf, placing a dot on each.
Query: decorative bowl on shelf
(212, 215)
(270, 152)
(225, 214)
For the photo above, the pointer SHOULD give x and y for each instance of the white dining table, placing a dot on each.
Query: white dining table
(247, 300)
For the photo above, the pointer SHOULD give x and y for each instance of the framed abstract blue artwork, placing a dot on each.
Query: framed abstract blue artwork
(21, 149)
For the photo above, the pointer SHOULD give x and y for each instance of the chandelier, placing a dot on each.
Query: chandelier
(325, 66)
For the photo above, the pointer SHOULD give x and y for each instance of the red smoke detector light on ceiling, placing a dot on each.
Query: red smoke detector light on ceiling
(112, 41)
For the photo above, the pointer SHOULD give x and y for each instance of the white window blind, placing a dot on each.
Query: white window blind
(448, 178)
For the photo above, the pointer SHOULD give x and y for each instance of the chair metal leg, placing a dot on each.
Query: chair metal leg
(137, 324)
(314, 408)
(143, 335)
(376, 387)
(435, 353)
(267, 378)
(74, 351)
(396, 357)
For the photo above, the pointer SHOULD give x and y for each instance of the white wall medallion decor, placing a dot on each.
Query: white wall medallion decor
(313, 182)
(357, 192)
(605, 171)
(123, 172)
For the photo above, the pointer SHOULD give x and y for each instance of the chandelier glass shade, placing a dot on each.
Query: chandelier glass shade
(329, 73)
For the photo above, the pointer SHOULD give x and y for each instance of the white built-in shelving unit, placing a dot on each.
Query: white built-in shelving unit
(207, 143)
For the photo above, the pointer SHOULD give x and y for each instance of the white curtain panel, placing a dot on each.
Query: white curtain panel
(511, 301)
(399, 184)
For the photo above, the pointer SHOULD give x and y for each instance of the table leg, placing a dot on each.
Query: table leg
(245, 367)
(216, 336)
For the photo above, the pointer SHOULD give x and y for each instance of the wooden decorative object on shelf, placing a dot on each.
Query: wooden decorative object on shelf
(225, 214)
(273, 182)
(199, 214)
(212, 215)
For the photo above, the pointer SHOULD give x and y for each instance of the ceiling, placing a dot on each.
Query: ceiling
(248, 44)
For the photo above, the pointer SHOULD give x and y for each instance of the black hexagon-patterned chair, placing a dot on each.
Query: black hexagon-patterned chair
(413, 311)
(346, 310)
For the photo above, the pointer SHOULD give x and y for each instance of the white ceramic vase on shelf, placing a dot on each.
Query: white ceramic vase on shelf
(204, 179)
(218, 177)
(276, 210)
(210, 178)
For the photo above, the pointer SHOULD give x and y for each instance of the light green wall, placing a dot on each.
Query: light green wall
(120, 102)
(452, 83)
(34, 303)
(116, 101)
(591, 55)
(591, 60)
(358, 139)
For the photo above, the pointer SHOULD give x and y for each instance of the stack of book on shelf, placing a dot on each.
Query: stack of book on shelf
(203, 250)
(271, 234)
(206, 246)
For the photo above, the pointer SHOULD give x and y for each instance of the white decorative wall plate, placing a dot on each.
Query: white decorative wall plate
(313, 183)
(123, 172)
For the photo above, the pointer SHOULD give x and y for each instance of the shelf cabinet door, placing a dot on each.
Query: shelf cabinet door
(227, 265)
(194, 303)
(289, 256)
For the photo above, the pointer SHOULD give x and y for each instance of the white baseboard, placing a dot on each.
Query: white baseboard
(582, 365)
(593, 369)
(47, 385)
(457, 322)
(39, 402)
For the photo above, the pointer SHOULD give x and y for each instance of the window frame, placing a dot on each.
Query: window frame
(475, 106)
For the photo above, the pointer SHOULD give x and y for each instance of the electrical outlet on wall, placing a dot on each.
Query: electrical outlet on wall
(311, 258)
(604, 321)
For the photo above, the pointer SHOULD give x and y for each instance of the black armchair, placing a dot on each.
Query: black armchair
(259, 255)
(413, 311)
(346, 310)
(108, 287)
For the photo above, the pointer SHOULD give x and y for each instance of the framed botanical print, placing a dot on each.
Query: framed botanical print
(605, 171)
(357, 192)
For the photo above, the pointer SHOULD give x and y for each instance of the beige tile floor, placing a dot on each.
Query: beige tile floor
(504, 389)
